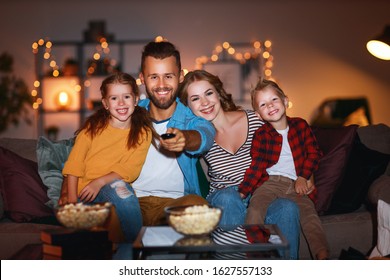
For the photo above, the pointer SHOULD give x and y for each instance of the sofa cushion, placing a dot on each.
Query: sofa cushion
(363, 168)
(23, 192)
(336, 144)
(51, 157)
(376, 137)
(379, 189)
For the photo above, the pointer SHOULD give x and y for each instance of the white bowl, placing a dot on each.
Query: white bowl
(82, 216)
(193, 220)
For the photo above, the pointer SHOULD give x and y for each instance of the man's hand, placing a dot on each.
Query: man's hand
(175, 144)
(189, 140)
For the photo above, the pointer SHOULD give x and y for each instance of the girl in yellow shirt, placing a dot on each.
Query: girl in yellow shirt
(109, 152)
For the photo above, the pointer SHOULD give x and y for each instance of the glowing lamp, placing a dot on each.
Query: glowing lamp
(63, 100)
(380, 45)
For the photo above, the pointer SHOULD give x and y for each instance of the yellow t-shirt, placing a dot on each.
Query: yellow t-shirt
(105, 153)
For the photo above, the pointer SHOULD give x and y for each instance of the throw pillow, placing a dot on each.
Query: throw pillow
(363, 168)
(23, 192)
(51, 157)
(336, 144)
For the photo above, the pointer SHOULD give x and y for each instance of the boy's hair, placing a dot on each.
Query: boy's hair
(226, 99)
(160, 50)
(262, 84)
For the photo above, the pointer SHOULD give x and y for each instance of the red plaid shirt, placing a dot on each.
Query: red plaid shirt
(266, 149)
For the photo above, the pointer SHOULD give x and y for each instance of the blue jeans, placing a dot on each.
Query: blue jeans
(282, 212)
(122, 196)
(285, 214)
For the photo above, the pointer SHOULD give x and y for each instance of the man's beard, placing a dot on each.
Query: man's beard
(157, 102)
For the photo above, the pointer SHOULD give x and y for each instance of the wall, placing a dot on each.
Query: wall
(319, 46)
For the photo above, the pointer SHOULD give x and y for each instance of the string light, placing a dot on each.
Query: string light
(101, 54)
(227, 51)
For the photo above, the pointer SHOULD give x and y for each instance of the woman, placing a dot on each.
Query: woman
(229, 157)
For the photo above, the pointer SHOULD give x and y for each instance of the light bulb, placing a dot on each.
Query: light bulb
(379, 49)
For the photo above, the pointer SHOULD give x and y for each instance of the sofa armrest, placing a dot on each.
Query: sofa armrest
(379, 189)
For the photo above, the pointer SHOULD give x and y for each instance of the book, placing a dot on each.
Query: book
(50, 257)
(65, 236)
(88, 251)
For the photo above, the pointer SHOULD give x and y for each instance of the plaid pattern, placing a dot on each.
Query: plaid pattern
(257, 233)
(266, 149)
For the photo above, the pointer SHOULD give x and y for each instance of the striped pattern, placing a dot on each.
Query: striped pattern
(226, 169)
(236, 236)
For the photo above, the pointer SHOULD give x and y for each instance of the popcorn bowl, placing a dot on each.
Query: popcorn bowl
(83, 216)
(193, 220)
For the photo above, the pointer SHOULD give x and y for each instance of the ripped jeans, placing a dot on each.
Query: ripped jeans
(122, 196)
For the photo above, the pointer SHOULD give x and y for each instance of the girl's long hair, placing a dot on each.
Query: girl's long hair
(141, 121)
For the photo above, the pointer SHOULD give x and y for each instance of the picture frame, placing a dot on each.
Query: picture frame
(229, 72)
(238, 78)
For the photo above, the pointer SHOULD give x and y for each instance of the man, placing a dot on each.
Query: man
(169, 175)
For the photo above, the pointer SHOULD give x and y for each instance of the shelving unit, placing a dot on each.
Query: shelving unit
(81, 85)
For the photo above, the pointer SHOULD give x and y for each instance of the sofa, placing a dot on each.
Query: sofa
(24, 212)
(349, 214)
(353, 174)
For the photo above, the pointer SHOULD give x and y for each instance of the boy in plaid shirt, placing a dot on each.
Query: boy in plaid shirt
(284, 156)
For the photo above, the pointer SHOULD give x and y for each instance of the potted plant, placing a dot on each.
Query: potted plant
(14, 95)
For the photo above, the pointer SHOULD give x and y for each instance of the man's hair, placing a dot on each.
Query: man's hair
(160, 50)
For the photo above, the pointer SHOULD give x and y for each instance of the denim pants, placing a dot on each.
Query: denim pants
(282, 212)
(122, 196)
